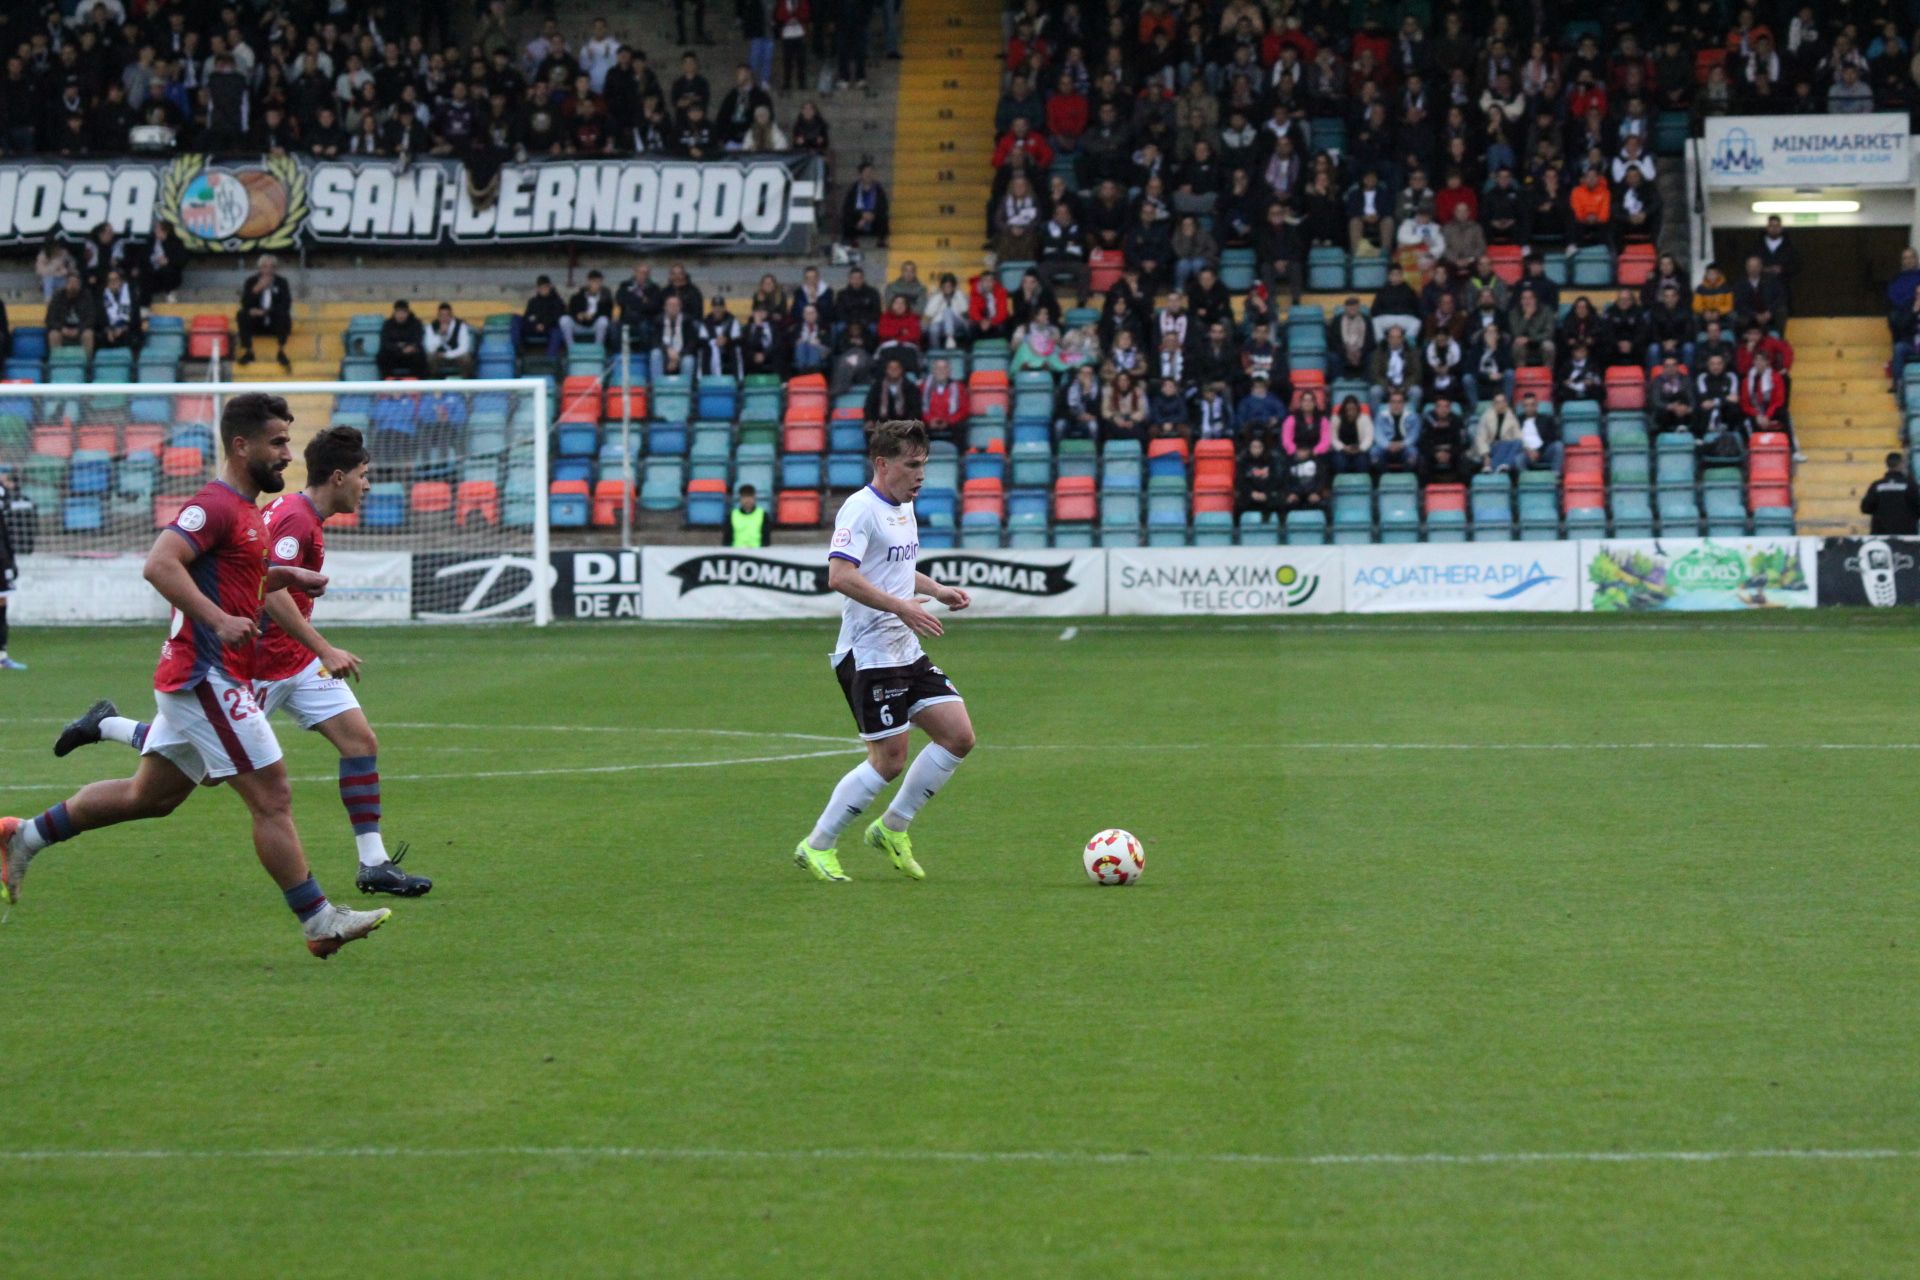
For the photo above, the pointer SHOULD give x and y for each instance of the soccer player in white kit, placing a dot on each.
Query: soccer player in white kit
(890, 683)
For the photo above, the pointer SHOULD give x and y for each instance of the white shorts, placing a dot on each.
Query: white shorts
(310, 697)
(214, 730)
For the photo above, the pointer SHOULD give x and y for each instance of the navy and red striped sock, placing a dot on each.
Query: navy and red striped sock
(51, 827)
(306, 899)
(360, 793)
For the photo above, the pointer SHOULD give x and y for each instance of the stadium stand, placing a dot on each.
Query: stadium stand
(1344, 176)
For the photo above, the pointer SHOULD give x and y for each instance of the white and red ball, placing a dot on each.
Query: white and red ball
(1115, 857)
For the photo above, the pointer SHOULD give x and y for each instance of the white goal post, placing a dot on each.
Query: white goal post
(455, 529)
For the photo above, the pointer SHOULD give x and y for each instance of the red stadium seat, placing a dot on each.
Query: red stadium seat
(207, 334)
(807, 401)
(146, 437)
(1626, 387)
(1074, 501)
(104, 438)
(1446, 497)
(804, 439)
(56, 442)
(1585, 497)
(633, 399)
(984, 493)
(1509, 262)
(1213, 466)
(166, 507)
(798, 508)
(1165, 445)
(580, 400)
(1635, 265)
(1768, 495)
(1106, 266)
(182, 463)
(193, 409)
(609, 496)
(476, 499)
(431, 498)
(1705, 61)
(1212, 500)
(1769, 466)
(1535, 378)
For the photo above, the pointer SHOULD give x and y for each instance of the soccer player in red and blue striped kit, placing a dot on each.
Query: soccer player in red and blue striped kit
(211, 565)
(295, 669)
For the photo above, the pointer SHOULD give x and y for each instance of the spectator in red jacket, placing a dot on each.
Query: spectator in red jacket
(1763, 395)
(1756, 339)
(944, 404)
(988, 306)
(1067, 115)
(1456, 192)
(1022, 138)
(900, 330)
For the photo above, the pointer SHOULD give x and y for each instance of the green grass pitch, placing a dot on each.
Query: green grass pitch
(1375, 967)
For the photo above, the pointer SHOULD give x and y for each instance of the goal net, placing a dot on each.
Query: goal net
(455, 528)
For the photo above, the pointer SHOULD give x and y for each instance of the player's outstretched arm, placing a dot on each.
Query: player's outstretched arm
(166, 570)
(952, 597)
(845, 577)
(286, 615)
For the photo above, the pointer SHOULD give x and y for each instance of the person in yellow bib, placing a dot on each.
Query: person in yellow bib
(747, 524)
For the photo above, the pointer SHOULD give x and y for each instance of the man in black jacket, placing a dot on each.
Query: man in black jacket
(540, 322)
(266, 307)
(856, 306)
(1893, 500)
(640, 300)
(402, 344)
(589, 312)
(892, 395)
(864, 211)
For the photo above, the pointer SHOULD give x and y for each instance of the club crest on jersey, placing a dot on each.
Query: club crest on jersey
(287, 548)
(193, 519)
(841, 537)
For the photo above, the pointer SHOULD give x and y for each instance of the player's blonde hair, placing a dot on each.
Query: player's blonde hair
(894, 437)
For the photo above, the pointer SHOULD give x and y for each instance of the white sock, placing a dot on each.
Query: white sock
(925, 776)
(118, 729)
(853, 794)
(28, 838)
(373, 850)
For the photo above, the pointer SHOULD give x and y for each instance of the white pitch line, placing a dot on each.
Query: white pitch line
(548, 728)
(856, 1155)
(557, 772)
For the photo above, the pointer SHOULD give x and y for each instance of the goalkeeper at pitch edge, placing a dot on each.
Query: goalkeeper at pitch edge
(211, 565)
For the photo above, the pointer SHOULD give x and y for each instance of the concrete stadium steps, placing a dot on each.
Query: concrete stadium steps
(1845, 419)
(943, 135)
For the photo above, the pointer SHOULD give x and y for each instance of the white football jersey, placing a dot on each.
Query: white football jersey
(883, 540)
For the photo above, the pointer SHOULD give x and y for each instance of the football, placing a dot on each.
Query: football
(1115, 857)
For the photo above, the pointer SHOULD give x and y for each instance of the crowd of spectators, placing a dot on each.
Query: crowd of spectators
(371, 78)
(1164, 141)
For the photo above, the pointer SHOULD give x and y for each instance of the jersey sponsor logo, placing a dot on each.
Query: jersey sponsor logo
(993, 573)
(723, 570)
(287, 548)
(192, 518)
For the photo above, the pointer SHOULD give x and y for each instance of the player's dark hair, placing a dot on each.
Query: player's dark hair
(248, 414)
(893, 438)
(335, 449)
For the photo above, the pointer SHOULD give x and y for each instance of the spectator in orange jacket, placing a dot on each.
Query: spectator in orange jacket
(1592, 206)
(1022, 138)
